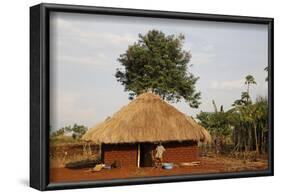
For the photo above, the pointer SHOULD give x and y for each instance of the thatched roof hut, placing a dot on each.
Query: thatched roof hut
(148, 118)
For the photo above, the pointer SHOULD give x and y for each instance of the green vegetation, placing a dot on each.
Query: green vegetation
(159, 64)
(218, 124)
(68, 134)
(245, 126)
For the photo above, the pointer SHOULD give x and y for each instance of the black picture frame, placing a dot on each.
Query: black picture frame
(39, 93)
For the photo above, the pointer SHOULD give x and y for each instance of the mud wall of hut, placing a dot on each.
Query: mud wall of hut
(177, 152)
(126, 154)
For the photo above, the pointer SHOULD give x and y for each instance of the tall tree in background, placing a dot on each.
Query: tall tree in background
(249, 80)
(158, 63)
(261, 118)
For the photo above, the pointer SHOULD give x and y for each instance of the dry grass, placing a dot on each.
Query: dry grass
(61, 154)
(60, 162)
(231, 164)
(62, 139)
(148, 118)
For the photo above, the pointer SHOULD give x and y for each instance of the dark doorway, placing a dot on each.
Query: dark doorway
(146, 151)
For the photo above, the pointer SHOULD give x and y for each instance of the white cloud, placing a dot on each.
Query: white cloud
(202, 54)
(228, 84)
(66, 109)
(72, 30)
(202, 58)
(98, 60)
(208, 48)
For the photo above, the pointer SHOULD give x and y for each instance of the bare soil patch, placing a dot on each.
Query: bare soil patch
(210, 164)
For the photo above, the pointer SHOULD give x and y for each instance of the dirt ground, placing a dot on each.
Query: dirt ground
(217, 164)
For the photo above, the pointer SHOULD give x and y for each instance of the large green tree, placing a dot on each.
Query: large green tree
(158, 63)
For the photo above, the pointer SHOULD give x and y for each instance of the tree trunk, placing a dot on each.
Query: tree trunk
(249, 139)
(262, 143)
(240, 140)
(256, 139)
(248, 90)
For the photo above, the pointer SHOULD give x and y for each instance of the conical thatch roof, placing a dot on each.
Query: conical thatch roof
(148, 118)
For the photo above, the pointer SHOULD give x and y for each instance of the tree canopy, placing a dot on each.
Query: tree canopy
(158, 63)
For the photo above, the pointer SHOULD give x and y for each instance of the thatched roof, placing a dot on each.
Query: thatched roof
(148, 118)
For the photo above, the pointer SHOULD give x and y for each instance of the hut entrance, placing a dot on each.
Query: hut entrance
(146, 150)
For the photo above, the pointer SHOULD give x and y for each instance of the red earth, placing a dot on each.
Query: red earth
(207, 165)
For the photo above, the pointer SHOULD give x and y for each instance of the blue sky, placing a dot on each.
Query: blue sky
(83, 59)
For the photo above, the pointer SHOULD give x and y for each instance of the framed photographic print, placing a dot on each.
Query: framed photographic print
(126, 96)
